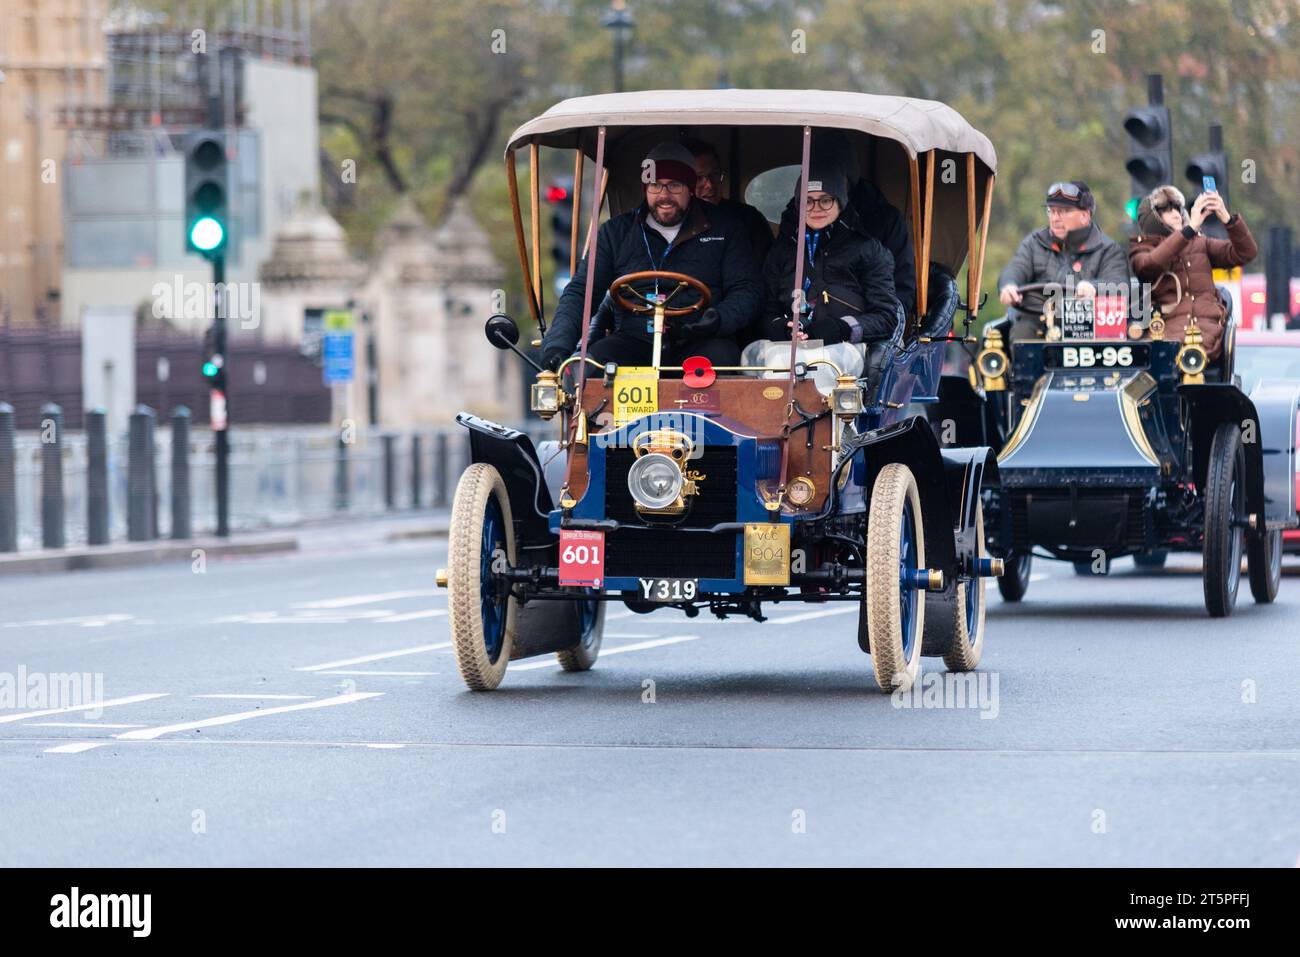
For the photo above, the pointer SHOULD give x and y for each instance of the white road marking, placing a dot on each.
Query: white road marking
(386, 747)
(606, 652)
(85, 621)
(149, 734)
(76, 748)
(383, 674)
(259, 697)
(413, 615)
(304, 617)
(1039, 576)
(852, 609)
(80, 724)
(363, 659)
(92, 706)
(350, 600)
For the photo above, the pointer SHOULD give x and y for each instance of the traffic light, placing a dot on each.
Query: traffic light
(1150, 148)
(206, 193)
(560, 195)
(214, 361)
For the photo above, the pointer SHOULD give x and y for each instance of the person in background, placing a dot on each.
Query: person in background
(1071, 247)
(1178, 260)
(710, 186)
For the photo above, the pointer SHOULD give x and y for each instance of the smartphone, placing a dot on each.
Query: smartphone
(1208, 184)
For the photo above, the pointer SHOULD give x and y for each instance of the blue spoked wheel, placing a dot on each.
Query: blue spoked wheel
(481, 545)
(968, 634)
(589, 619)
(893, 608)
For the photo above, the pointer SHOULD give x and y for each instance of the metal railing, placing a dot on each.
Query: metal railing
(60, 487)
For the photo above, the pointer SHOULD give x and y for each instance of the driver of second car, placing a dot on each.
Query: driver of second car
(1071, 250)
(671, 232)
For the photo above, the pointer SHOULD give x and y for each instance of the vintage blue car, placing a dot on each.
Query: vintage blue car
(1125, 443)
(809, 479)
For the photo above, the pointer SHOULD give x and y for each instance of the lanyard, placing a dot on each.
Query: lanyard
(812, 238)
(656, 266)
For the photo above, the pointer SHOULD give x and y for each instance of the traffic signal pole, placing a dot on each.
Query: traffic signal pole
(220, 415)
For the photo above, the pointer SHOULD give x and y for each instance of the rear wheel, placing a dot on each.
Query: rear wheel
(1014, 580)
(1225, 495)
(481, 610)
(968, 638)
(893, 609)
(1264, 564)
(1151, 560)
(589, 627)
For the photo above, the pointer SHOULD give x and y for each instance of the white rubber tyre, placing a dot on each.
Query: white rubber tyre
(482, 630)
(895, 543)
(584, 654)
(966, 649)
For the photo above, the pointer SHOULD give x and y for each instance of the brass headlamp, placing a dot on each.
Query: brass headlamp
(1192, 357)
(545, 396)
(992, 362)
(846, 397)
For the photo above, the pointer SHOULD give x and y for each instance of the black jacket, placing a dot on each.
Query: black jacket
(852, 275)
(883, 222)
(712, 246)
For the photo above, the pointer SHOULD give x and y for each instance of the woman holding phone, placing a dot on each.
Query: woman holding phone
(1172, 254)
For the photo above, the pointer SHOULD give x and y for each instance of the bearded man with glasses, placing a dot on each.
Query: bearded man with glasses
(671, 231)
(1070, 250)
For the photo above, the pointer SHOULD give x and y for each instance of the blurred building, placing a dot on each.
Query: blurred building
(123, 187)
(52, 55)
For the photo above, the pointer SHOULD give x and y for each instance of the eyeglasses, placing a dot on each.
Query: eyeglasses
(715, 177)
(672, 186)
(1068, 190)
(822, 202)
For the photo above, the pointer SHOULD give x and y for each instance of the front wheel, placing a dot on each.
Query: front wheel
(1225, 500)
(590, 629)
(1014, 580)
(1264, 565)
(481, 610)
(893, 608)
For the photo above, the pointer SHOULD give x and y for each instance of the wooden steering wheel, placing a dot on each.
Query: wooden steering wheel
(647, 301)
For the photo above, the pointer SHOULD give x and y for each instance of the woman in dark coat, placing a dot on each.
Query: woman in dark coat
(1178, 260)
(848, 277)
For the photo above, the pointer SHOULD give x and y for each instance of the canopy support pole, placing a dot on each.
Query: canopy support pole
(972, 289)
(577, 211)
(796, 312)
(923, 264)
(513, 183)
(914, 201)
(597, 188)
(534, 174)
(984, 243)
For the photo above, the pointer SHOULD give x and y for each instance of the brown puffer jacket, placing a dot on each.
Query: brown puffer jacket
(1180, 271)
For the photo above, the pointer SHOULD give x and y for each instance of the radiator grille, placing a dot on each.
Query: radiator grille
(668, 553)
(716, 501)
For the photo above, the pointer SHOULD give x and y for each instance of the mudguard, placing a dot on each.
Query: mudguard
(512, 454)
(944, 479)
(966, 472)
(1270, 413)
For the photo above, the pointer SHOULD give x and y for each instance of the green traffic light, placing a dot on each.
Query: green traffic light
(1131, 207)
(207, 234)
(210, 369)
